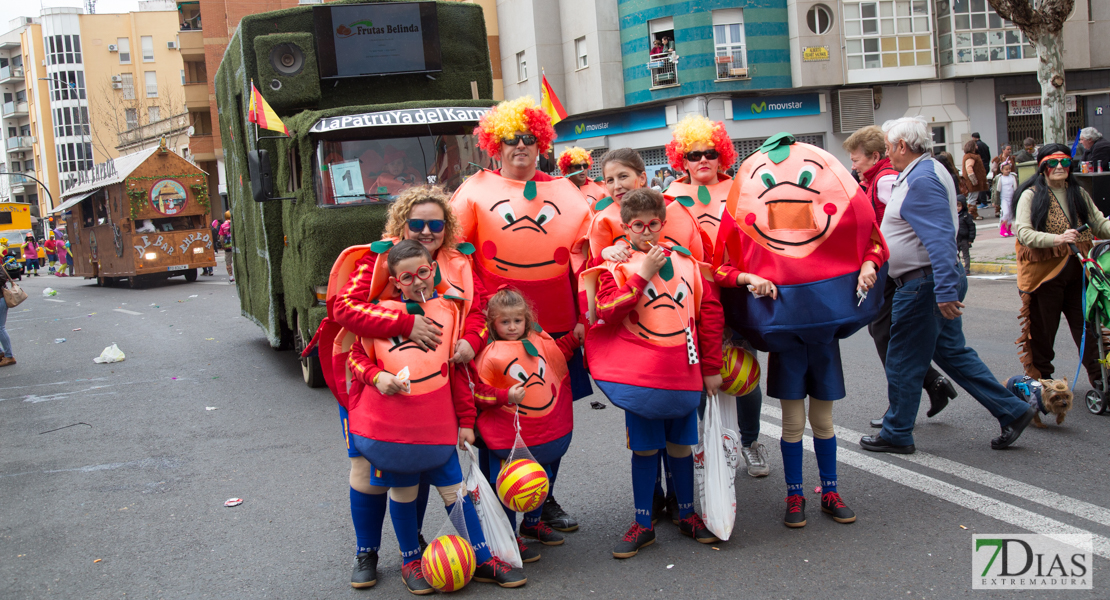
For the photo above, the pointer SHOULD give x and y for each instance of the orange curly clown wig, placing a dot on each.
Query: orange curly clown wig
(510, 117)
(574, 156)
(694, 129)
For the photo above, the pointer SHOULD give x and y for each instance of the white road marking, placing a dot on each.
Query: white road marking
(1041, 496)
(53, 300)
(158, 463)
(126, 312)
(985, 505)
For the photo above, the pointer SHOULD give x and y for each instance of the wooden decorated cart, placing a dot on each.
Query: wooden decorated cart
(141, 216)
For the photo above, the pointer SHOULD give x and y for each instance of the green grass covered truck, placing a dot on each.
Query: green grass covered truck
(377, 97)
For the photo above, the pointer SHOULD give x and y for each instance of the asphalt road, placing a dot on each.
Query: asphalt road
(113, 476)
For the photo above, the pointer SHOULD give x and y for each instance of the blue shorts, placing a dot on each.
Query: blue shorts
(653, 434)
(344, 420)
(807, 370)
(448, 474)
(52, 257)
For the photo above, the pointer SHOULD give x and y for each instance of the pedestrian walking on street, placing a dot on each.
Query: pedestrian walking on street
(61, 247)
(5, 341)
(1050, 208)
(31, 255)
(965, 237)
(1006, 185)
(975, 176)
(920, 228)
(225, 239)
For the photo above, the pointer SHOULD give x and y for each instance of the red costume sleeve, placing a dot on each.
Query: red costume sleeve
(487, 396)
(711, 330)
(354, 311)
(461, 396)
(614, 303)
(568, 344)
(361, 366)
(475, 324)
(726, 275)
(877, 251)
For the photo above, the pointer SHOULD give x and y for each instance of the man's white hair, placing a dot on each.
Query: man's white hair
(1090, 134)
(912, 130)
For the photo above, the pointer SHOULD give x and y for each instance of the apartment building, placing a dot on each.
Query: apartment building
(820, 69)
(15, 124)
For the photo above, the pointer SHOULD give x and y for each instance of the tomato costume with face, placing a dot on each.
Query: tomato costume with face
(704, 203)
(416, 431)
(680, 229)
(800, 221)
(524, 233)
(546, 413)
(641, 361)
(593, 192)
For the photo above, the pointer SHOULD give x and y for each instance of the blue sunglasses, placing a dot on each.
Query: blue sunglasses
(434, 225)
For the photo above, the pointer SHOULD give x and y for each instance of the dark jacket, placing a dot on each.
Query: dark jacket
(1099, 151)
(984, 151)
(966, 233)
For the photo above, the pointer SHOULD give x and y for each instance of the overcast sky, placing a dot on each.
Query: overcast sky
(10, 9)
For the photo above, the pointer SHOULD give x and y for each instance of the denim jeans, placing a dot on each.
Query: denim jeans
(920, 333)
(5, 341)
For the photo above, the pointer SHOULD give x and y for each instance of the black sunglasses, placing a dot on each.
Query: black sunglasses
(696, 155)
(527, 138)
(582, 167)
(434, 225)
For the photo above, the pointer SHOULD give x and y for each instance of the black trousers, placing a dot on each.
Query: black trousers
(1062, 294)
(880, 332)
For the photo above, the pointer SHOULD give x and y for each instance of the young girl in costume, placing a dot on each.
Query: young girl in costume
(574, 164)
(523, 373)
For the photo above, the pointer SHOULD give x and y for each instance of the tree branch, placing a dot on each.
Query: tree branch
(1035, 22)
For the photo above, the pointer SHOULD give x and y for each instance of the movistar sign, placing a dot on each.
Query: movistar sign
(763, 107)
(622, 122)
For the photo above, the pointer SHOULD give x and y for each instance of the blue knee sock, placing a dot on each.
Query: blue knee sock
(659, 477)
(421, 504)
(826, 462)
(792, 467)
(682, 474)
(403, 515)
(552, 469)
(474, 531)
(368, 514)
(643, 482)
(531, 519)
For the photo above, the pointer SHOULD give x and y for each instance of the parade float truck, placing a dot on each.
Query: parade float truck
(376, 97)
(140, 217)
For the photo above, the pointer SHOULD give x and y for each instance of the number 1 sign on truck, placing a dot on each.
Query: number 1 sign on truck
(377, 97)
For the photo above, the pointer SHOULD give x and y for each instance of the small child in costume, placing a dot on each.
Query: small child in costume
(965, 235)
(655, 311)
(523, 372)
(409, 426)
(63, 257)
(1007, 184)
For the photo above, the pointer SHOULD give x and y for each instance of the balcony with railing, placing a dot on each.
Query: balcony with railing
(664, 69)
(7, 74)
(192, 43)
(196, 95)
(730, 62)
(22, 142)
(14, 109)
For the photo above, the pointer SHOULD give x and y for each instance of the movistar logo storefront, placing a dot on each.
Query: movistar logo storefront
(794, 105)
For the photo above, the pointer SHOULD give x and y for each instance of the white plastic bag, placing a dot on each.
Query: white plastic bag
(50, 292)
(111, 354)
(715, 461)
(729, 423)
(495, 523)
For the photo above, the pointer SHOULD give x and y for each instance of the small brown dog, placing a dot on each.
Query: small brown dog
(1047, 396)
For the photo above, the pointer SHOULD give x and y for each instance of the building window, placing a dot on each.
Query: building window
(128, 86)
(970, 31)
(182, 76)
(728, 38)
(580, 52)
(819, 19)
(521, 67)
(148, 48)
(131, 117)
(887, 34)
(153, 114)
(124, 47)
(151, 84)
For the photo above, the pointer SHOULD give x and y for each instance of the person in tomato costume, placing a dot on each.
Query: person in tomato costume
(574, 164)
(801, 222)
(527, 228)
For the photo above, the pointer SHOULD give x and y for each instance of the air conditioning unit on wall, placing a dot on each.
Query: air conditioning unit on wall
(852, 109)
(113, 48)
(171, 45)
(117, 86)
(117, 79)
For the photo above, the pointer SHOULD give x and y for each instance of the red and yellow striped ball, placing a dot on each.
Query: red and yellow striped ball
(740, 373)
(449, 563)
(522, 485)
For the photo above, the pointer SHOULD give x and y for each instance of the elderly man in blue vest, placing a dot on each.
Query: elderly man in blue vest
(920, 230)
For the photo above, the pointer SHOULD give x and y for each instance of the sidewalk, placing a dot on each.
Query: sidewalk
(992, 254)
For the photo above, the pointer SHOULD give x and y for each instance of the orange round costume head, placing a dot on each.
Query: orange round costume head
(510, 117)
(792, 196)
(574, 156)
(696, 129)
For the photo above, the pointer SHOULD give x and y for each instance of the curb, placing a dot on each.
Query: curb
(993, 269)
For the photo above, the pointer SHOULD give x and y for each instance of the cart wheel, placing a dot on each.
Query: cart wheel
(190, 275)
(311, 369)
(1095, 403)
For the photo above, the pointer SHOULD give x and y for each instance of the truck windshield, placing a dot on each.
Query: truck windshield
(364, 171)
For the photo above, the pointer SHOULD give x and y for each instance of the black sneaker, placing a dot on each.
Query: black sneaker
(556, 517)
(694, 527)
(543, 533)
(795, 511)
(423, 543)
(658, 508)
(413, 575)
(833, 505)
(500, 572)
(527, 555)
(636, 538)
(365, 573)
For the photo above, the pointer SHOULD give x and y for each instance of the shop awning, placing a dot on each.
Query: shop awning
(68, 204)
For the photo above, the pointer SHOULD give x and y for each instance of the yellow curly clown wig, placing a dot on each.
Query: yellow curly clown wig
(574, 156)
(694, 129)
(510, 117)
